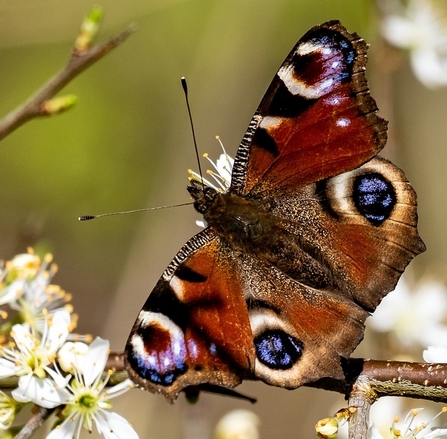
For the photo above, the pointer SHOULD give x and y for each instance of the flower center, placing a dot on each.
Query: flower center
(34, 362)
(88, 401)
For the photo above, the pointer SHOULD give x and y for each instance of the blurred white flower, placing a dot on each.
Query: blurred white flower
(237, 424)
(8, 409)
(14, 275)
(435, 354)
(86, 398)
(421, 28)
(409, 429)
(30, 358)
(414, 315)
(25, 286)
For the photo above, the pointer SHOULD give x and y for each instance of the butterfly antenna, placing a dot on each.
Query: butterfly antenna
(90, 217)
(185, 89)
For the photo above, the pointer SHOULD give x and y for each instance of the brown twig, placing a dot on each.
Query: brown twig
(36, 421)
(380, 378)
(361, 398)
(392, 378)
(79, 61)
(377, 378)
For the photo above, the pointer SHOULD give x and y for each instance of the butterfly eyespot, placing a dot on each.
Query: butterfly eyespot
(151, 372)
(157, 351)
(374, 197)
(278, 350)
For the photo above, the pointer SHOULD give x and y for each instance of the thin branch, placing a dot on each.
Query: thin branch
(34, 423)
(375, 377)
(392, 378)
(361, 398)
(34, 106)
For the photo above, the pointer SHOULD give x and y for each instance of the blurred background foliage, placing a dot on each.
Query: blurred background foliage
(127, 145)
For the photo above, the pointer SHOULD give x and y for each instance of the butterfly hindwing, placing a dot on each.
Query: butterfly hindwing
(300, 333)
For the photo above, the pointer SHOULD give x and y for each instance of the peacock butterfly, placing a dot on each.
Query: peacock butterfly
(312, 233)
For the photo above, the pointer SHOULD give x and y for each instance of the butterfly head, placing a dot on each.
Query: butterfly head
(203, 195)
(202, 190)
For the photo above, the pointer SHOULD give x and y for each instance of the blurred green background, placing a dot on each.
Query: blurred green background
(128, 145)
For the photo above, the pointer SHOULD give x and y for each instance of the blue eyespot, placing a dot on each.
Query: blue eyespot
(277, 349)
(374, 197)
(163, 378)
(157, 353)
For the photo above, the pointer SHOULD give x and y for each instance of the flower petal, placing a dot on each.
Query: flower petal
(60, 380)
(398, 31)
(7, 368)
(118, 389)
(373, 432)
(22, 336)
(65, 430)
(58, 331)
(95, 360)
(435, 354)
(12, 292)
(41, 391)
(113, 426)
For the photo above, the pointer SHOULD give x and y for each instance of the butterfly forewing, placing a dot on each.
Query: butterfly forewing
(317, 114)
(194, 326)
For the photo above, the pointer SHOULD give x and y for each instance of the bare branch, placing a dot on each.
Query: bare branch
(377, 378)
(361, 399)
(79, 61)
(392, 378)
(36, 421)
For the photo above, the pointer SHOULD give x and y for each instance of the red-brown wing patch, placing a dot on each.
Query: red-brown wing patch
(317, 118)
(194, 327)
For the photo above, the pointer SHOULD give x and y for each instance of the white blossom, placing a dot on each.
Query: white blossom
(237, 424)
(421, 28)
(414, 314)
(435, 354)
(409, 429)
(8, 409)
(30, 358)
(223, 168)
(15, 274)
(86, 398)
(25, 286)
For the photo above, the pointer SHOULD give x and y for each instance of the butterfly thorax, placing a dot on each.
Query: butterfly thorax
(235, 219)
(248, 226)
